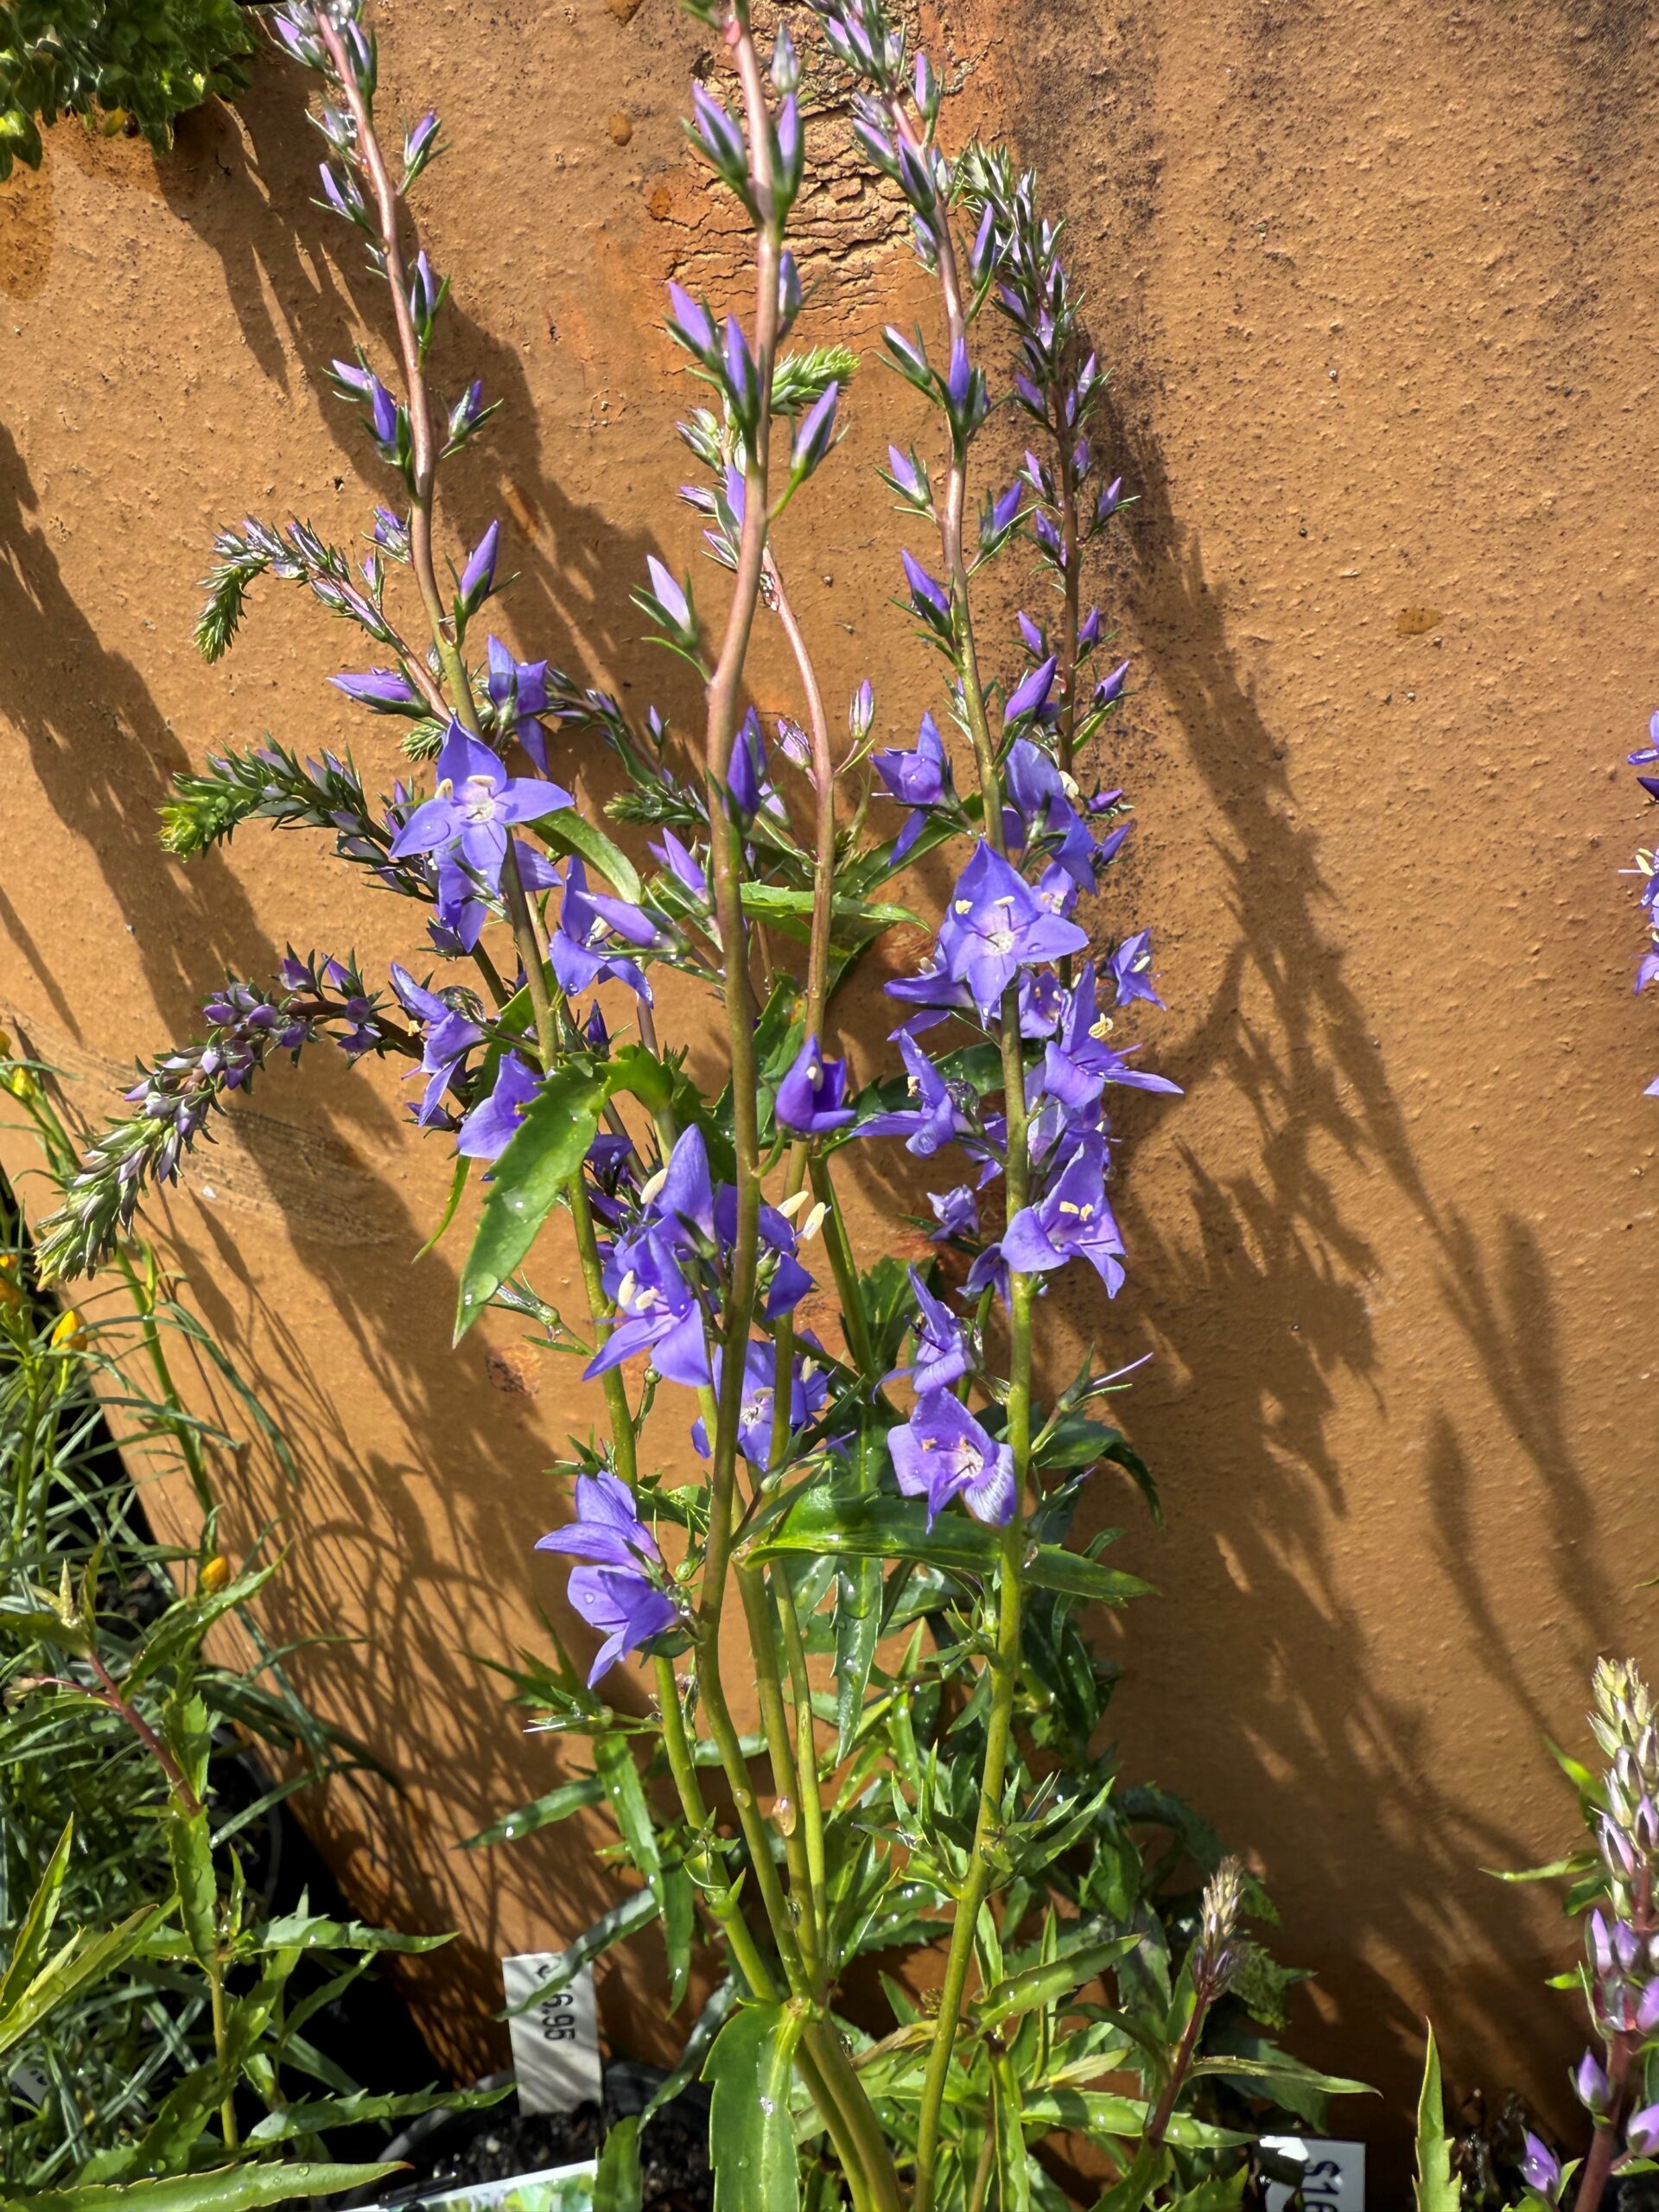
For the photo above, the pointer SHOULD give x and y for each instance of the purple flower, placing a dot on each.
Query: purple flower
(608, 1529)
(472, 803)
(1540, 2168)
(810, 1096)
(387, 690)
(934, 1119)
(748, 782)
(447, 1035)
(1078, 1063)
(624, 1607)
(942, 1453)
(918, 778)
(658, 1311)
(941, 1344)
(1642, 2131)
(1131, 966)
(682, 863)
(492, 1124)
(1110, 687)
(585, 947)
(808, 1391)
(955, 1211)
(517, 691)
(995, 926)
(1072, 1221)
(693, 324)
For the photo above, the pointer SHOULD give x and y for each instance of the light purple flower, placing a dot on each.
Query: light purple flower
(1072, 1220)
(994, 925)
(474, 803)
(942, 1453)
(491, 1127)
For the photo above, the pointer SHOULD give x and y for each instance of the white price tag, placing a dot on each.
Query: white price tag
(556, 2038)
(1333, 2174)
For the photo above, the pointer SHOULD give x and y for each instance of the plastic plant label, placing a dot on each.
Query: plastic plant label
(1333, 2174)
(555, 2037)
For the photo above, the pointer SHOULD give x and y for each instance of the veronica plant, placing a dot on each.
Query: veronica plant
(893, 1502)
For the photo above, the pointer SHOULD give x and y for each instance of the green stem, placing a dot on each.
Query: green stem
(221, 2038)
(806, 1749)
(786, 1786)
(836, 1242)
(976, 1883)
(722, 1902)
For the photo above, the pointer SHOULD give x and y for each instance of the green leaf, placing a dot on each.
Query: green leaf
(1134, 2187)
(679, 1929)
(541, 1812)
(1077, 1442)
(76, 1965)
(1220, 2193)
(41, 1911)
(858, 1612)
(571, 832)
(635, 1912)
(1013, 2163)
(457, 1184)
(1436, 2188)
(1050, 1982)
(289, 2121)
(1281, 2074)
(548, 1149)
(222, 2189)
(825, 1521)
(617, 2185)
(689, 2062)
(1098, 2111)
(752, 2069)
(190, 1849)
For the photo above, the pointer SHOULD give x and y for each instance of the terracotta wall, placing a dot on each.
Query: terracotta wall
(1377, 287)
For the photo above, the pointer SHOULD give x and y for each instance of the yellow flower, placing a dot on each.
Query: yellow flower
(68, 1331)
(215, 1573)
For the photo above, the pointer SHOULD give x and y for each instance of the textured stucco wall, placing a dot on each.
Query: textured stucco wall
(1376, 286)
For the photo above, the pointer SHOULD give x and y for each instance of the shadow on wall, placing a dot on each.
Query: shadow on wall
(420, 1539)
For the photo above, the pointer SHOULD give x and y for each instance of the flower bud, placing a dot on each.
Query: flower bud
(68, 1332)
(1541, 2169)
(1590, 2085)
(1647, 2012)
(215, 1573)
(1642, 2131)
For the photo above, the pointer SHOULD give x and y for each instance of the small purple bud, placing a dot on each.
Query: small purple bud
(1642, 2130)
(1036, 642)
(593, 1030)
(862, 712)
(982, 259)
(1647, 2011)
(383, 410)
(1600, 1942)
(1645, 1826)
(959, 383)
(1031, 695)
(911, 358)
(791, 742)
(419, 142)
(1541, 2169)
(1110, 687)
(739, 372)
(1590, 2085)
(907, 476)
(789, 293)
(668, 595)
(812, 439)
(927, 597)
(1005, 510)
(1627, 1946)
(692, 324)
(478, 577)
(1109, 500)
(1089, 630)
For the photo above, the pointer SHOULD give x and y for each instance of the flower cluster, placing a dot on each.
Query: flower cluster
(1621, 1967)
(908, 1469)
(175, 1097)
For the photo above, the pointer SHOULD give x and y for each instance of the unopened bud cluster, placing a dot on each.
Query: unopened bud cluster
(1219, 1950)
